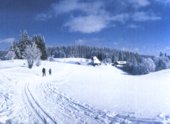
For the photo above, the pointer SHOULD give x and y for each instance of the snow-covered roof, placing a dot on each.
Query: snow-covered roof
(96, 60)
(121, 62)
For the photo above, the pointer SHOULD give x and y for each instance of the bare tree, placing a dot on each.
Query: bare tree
(32, 54)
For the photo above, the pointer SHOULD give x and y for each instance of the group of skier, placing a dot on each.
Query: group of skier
(44, 72)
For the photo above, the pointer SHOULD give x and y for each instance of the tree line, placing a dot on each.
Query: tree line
(136, 64)
(88, 52)
(2, 53)
(33, 49)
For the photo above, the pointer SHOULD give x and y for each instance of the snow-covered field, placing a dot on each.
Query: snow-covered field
(76, 94)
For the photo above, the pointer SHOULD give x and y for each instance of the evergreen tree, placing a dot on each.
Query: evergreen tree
(24, 41)
(160, 54)
(40, 42)
(15, 48)
(10, 55)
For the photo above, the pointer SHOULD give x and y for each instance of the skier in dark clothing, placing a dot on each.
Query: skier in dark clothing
(43, 72)
(50, 71)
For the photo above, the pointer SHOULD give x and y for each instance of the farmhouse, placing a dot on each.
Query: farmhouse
(120, 64)
(95, 61)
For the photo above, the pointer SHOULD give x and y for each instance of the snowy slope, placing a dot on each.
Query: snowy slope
(81, 94)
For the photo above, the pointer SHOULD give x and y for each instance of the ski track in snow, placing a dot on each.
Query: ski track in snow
(43, 116)
(72, 109)
(65, 109)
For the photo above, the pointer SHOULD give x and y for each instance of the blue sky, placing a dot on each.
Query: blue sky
(141, 26)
